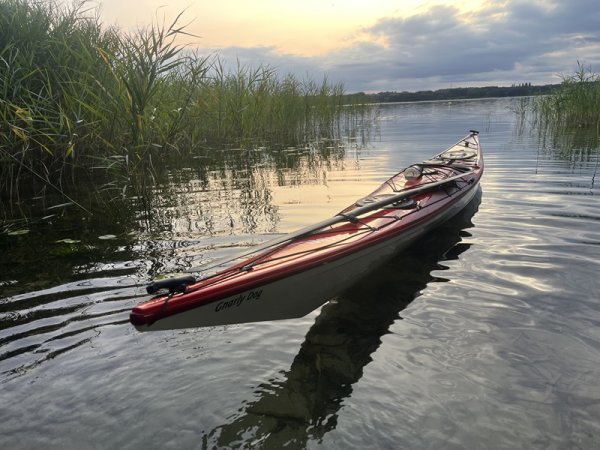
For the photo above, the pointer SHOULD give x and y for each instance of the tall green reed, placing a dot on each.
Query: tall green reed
(576, 104)
(76, 94)
(569, 118)
(81, 99)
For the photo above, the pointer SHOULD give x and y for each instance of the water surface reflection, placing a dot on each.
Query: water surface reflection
(504, 355)
(303, 404)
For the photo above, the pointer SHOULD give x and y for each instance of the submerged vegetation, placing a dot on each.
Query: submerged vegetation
(76, 94)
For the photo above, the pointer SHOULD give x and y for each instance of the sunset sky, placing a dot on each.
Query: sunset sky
(382, 45)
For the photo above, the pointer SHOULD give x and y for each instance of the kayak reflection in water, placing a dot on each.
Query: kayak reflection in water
(304, 405)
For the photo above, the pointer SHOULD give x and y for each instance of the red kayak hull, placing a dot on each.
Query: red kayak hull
(292, 278)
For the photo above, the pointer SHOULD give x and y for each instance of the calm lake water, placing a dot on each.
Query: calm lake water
(484, 334)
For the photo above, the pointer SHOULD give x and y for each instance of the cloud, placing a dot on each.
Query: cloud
(516, 41)
(270, 57)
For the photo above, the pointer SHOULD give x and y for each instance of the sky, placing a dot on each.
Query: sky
(384, 45)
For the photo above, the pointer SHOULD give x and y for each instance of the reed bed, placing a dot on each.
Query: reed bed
(76, 94)
(575, 105)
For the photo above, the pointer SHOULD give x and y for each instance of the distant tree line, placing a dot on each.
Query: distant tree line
(516, 90)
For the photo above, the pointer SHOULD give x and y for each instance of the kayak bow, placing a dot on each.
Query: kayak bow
(294, 274)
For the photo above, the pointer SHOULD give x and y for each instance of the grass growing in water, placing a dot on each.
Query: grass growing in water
(568, 120)
(75, 94)
(576, 104)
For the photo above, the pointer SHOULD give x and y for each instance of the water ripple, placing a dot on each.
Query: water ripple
(484, 334)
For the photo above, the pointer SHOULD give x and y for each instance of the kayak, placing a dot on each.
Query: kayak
(292, 275)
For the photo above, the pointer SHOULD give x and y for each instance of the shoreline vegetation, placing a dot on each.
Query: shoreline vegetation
(574, 105)
(82, 100)
(78, 97)
(567, 121)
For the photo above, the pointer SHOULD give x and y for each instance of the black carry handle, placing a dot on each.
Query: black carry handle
(172, 284)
